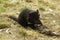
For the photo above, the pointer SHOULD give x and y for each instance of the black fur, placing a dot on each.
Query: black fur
(29, 17)
(14, 18)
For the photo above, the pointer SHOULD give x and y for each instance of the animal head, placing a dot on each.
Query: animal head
(34, 17)
(34, 14)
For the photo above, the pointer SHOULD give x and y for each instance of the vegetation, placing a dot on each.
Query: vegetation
(11, 30)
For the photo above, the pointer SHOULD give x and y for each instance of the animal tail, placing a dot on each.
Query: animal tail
(13, 18)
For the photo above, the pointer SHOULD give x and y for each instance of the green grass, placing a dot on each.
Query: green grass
(2, 26)
(48, 18)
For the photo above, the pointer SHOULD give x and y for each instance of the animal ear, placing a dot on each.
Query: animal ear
(37, 11)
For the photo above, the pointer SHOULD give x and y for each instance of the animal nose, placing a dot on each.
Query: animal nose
(37, 25)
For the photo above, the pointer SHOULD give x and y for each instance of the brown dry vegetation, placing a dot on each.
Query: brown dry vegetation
(11, 30)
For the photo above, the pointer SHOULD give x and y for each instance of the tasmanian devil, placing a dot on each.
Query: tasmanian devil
(30, 18)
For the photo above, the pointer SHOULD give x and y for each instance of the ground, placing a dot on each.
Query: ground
(49, 15)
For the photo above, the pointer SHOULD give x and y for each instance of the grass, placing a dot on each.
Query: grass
(49, 14)
(2, 26)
